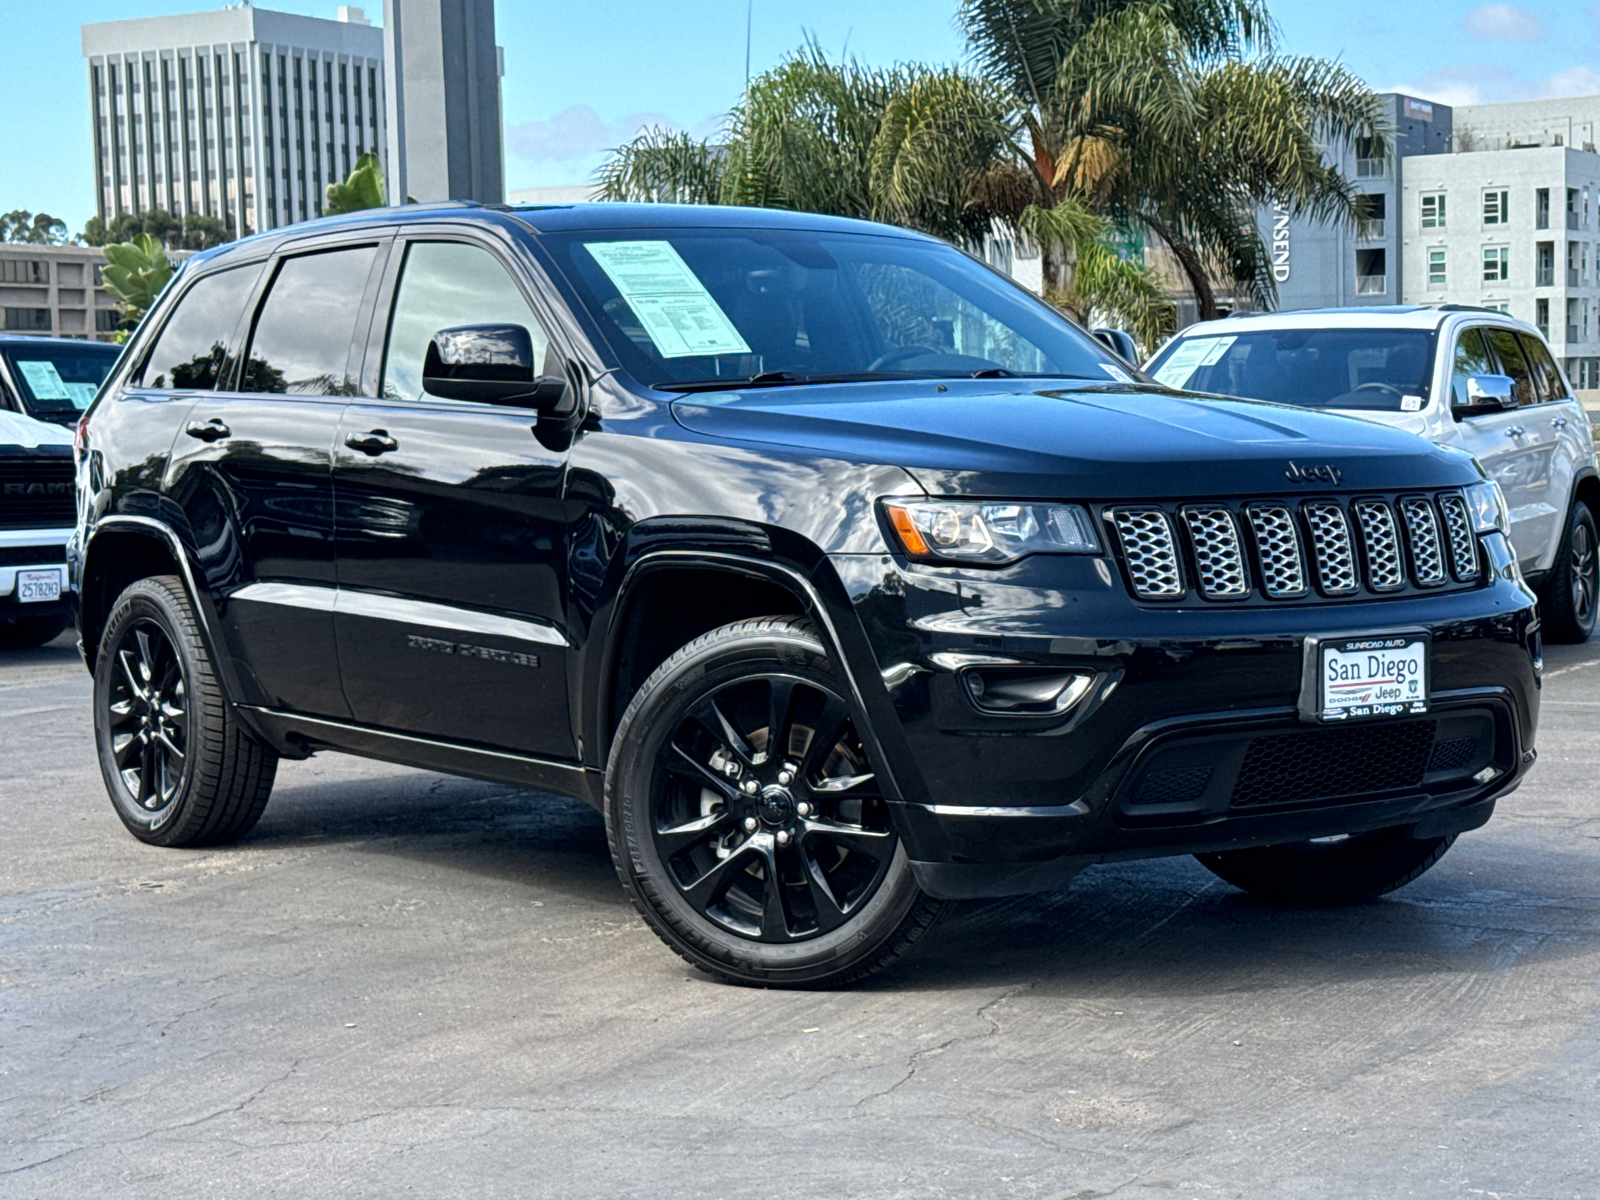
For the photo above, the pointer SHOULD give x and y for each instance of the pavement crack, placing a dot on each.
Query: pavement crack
(919, 1056)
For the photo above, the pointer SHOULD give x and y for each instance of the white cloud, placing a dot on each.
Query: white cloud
(575, 133)
(1503, 22)
(1471, 83)
(1575, 81)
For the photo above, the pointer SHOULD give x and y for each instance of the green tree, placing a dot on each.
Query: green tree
(136, 272)
(362, 189)
(37, 228)
(1176, 115)
(194, 232)
(933, 149)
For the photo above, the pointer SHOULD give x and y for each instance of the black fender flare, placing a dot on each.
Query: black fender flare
(841, 636)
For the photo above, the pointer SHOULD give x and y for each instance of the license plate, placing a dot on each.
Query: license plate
(1380, 676)
(35, 587)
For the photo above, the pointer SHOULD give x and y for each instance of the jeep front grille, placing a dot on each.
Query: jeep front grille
(1285, 550)
(1463, 546)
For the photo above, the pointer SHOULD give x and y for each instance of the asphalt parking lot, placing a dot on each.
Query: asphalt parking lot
(408, 984)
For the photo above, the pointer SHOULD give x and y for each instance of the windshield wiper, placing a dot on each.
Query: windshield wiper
(762, 379)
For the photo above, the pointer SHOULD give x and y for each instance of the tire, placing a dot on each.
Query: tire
(1571, 594)
(180, 769)
(24, 633)
(1323, 873)
(831, 903)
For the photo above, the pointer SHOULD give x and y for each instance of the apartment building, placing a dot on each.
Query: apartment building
(1515, 229)
(240, 113)
(55, 291)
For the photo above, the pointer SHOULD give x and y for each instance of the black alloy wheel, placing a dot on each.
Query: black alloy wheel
(148, 715)
(776, 837)
(1570, 595)
(748, 822)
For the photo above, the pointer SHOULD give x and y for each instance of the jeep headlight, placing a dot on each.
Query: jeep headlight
(1487, 503)
(988, 531)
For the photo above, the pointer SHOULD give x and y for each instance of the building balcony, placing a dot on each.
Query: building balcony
(1572, 276)
(1572, 221)
(1545, 277)
(1372, 230)
(1572, 333)
(1371, 285)
(1371, 168)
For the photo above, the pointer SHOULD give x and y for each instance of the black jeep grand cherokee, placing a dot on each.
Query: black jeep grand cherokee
(844, 576)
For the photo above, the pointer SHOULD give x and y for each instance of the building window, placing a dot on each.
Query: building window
(1572, 208)
(1436, 268)
(1496, 205)
(105, 320)
(1496, 264)
(24, 270)
(1572, 320)
(1370, 160)
(1433, 211)
(1500, 306)
(1541, 209)
(1545, 265)
(1541, 314)
(1572, 264)
(28, 320)
(1372, 268)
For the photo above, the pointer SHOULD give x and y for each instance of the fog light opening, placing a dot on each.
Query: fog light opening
(1014, 692)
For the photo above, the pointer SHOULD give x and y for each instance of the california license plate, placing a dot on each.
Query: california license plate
(1379, 676)
(35, 587)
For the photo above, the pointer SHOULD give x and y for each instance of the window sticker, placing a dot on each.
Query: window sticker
(1189, 357)
(1410, 403)
(81, 393)
(671, 303)
(44, 379)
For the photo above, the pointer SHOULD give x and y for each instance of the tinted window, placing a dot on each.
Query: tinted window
(1319, 368)
(444, 285)
(1472, 358)
(1545, 373)
(58, 378)
(302, 336)
(190, 350)
(1509, 352)
(695, 308)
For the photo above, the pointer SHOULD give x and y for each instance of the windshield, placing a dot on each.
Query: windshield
(1384, 369)
(700, 309)
(58, 379)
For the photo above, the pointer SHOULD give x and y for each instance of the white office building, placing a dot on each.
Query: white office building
(240, 113)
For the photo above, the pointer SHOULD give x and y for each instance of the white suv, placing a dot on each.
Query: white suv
(1466, 377)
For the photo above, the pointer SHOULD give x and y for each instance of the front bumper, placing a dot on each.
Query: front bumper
(1190, 738)
(32, 550)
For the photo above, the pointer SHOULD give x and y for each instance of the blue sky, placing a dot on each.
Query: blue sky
(583, 76)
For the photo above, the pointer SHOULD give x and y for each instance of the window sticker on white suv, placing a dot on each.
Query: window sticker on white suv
(668, 298)
(44, 379)
(1189, 357)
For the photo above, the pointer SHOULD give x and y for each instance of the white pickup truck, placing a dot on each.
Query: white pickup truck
(37, 513)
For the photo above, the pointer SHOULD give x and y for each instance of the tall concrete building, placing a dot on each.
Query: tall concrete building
(240, 113)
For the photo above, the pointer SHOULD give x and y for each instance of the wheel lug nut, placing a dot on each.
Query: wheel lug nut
(785, 778)
(783, 837)
(750, 824)
(751, 787)
(803, 809)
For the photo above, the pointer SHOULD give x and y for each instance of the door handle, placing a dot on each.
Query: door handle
(1515, 431)
(208, 431)
(373, 442)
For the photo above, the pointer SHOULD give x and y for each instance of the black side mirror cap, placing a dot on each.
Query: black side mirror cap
(1487, 394)
(1120, 342)
(489, 364)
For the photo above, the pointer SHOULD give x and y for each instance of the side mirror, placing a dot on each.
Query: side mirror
(488, 364)
(1487, 394)
(1119, 342)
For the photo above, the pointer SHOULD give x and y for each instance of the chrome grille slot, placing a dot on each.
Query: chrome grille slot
(1380, 543)
(1463, 546)
(1283, 566)
(1218, 552)
(1331, 548)
(1422, 538)
(1150, 552)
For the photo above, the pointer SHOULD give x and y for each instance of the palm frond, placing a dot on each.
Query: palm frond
(662, 166)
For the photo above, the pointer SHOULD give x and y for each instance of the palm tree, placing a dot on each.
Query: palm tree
(932, 149)
(1174, 115)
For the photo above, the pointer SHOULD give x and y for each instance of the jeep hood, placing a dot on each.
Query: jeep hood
(17, 430)
(1074, 440)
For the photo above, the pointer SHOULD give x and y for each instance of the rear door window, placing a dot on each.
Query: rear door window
(1509, 351)
(191, 349)
(1546, 375)
(301, 342)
